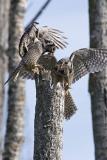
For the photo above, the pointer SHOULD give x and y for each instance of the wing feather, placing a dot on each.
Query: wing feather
(88, 61)
(54, 35)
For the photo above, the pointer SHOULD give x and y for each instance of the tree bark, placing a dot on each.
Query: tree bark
(15, 120)
(4, 8)
(98, 81)
(48, 121)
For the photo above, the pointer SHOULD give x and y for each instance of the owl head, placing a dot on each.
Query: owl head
(64, 67)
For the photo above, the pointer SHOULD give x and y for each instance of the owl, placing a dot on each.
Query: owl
(29, 66)
(80, 63)
(47, 35)
(29, 36)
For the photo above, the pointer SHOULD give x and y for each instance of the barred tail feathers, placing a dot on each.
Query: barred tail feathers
(70, 107)
(14, 75)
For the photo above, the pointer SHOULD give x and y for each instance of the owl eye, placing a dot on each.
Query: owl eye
(62, 71)
(66, 62)
(47, 41)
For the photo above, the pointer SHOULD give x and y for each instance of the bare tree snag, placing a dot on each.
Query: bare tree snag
(49, 118)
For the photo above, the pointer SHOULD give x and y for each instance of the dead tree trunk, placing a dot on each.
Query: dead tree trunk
(15, 120)
(4, 8)
(98, 81)
(48, 121)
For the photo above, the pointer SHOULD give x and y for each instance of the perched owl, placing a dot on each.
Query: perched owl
(80, 63)
(28, 65)
(29, 36)
(46, 35)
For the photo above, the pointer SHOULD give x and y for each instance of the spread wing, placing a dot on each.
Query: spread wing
(88, 61)
(54, 35)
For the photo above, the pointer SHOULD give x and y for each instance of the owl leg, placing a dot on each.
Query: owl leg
(37, 69)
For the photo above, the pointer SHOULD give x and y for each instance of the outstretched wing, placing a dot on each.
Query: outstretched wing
(88, 61)
(54, 35)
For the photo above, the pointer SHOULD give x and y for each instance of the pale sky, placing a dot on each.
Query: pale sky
(71, 17)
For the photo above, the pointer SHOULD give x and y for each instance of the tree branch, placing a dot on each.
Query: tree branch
(39, 12)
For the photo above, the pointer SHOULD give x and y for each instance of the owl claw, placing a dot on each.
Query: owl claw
(38, 69)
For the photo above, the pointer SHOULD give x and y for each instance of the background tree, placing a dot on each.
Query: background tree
(98, 81)
(4, 7)
(15, 120)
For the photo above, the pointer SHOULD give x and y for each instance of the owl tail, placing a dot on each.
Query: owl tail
(70, 107)
(14, 75)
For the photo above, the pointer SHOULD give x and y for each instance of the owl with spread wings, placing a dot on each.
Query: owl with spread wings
(81, 62)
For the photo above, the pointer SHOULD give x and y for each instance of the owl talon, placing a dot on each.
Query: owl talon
(35, 70)
(40, 68)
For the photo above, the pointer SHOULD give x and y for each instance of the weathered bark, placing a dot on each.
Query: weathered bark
(4, 7)
(15, 120)
(48, 121)
(1, 102)
(98, 81)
